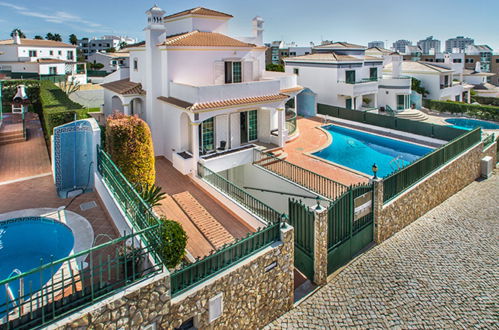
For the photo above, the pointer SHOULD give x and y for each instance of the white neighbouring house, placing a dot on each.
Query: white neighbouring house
(111, 61)
(442, 82)
(205, 95)
(343, 75)
(40, 59)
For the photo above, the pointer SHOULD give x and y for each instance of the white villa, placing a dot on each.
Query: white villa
(441, 80)
(111, 61)
(204, 94)
(343, 75)
(40, 59)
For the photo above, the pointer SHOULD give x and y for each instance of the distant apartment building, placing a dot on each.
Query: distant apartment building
(458, 42)
(278, 50)
(89, 46)
(429, 45)
(379, 44)
(399, 45)
(482, 53)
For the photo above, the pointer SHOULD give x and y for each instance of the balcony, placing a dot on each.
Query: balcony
(399, 82)
(357, 88)
(209, 93)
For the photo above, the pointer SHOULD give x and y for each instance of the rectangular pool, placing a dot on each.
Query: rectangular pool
(360, 150)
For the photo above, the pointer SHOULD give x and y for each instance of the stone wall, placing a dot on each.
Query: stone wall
(320, 246)
(255, 292)
(427, 194)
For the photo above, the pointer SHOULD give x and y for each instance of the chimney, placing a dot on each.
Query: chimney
(396, 65)
(478, 68)
(258, 30)
(16, 38)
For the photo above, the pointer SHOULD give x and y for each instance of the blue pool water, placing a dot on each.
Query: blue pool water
(359, 150)
(469, 124)
(26, 243)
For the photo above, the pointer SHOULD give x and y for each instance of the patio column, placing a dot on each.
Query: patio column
(195, 145)
(468, 94)
(281, 114)
(375, 103)
(126, 109)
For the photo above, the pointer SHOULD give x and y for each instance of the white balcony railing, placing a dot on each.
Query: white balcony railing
(395, 82)
(194, 94)
(357, 88)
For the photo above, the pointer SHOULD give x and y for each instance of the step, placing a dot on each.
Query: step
(11, 134)
(9, 140)
(203, 220)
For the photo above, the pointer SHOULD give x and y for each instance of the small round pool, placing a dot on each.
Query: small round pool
(469, 124)
(28, 242)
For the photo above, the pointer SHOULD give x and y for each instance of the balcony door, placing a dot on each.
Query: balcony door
(207, 136)
(348, 103)
(248, 126)
(350, 76)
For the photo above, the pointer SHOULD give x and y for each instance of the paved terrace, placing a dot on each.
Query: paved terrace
(439, 272)
(311, 139)
(208, 223)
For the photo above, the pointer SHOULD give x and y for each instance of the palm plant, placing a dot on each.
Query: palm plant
(151, 194)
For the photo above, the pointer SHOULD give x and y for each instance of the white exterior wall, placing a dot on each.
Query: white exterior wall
(21, 53)
(321, 80)
(191, 22)
(139, 74)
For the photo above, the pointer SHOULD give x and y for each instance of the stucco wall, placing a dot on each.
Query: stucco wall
(253, 295)
(429, 193)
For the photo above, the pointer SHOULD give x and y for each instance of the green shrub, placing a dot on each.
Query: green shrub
(54, 98)
(54, 118)
(487, 112)
(484, 100)
(129, 143)
(9, 89)
(173, 242)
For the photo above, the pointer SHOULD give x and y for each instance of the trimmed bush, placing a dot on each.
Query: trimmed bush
(129, 143)
(487, 112)
(484, 100)
(54, 118)
(54, 98)
(173, 242)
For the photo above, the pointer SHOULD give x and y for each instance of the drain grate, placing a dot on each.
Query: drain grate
(88, 205)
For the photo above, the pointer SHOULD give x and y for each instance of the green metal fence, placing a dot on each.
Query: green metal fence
(303, 221)
(244, 199)
(306, 178)
(487, 141)
(193, 274)
(291, 122)
(59, 287)
(96, 73)
(404, 178)
(446, 133)
(136, 210)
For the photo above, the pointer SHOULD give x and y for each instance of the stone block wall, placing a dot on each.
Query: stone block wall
(255, 292)
(428, 193)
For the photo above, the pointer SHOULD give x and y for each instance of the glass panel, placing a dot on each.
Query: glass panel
(252, 125)
(348, 104)
(373, 73)
(236, 72)
(400, 102)
(208, 136)
(350, 76)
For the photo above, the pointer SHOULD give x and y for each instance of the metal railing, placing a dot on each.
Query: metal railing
(310, 180)
(240, 196)
(59, 287)
(488, 140)
(362, 81)
(406, 177)
(136, 210)
(291, 123)
(193, 274)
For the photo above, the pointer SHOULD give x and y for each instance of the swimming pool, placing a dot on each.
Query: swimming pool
(25, 244)
(469, 124)
(360, 150)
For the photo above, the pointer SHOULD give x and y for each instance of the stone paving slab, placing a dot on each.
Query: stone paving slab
(439, 272)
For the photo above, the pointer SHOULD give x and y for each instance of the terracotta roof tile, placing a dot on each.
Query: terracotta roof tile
(38, 43)
(205, 39)
(201, 11)
(342, 45)
(323, 57)
(291, 90)
(124, 87)
(223, 103)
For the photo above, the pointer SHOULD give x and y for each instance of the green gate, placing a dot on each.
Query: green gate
(302, 219)
(350, 225)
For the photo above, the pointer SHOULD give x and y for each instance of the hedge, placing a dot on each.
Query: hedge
(54, 98)
(487, 112)
(484, 100)
(129, 143)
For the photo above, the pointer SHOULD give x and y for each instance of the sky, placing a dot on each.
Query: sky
(358, 21)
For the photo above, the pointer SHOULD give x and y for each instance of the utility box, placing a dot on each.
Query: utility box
(486, 167)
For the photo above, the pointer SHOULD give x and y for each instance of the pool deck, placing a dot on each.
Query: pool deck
(311, 139)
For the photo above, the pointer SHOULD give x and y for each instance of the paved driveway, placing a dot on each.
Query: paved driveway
(440, 272)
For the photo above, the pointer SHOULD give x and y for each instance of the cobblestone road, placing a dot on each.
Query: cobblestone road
(440, 272)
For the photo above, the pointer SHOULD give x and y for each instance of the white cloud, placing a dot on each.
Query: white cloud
(11, 5)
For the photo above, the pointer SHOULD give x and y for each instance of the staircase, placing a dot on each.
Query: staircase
(412, 114)
(11, 133)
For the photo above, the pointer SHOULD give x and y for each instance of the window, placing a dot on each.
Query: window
(59, 52)
(53, 70)
(207, 135)
(457, 60)
(215, 307)
(292, 53)
(51, 52)
(446, 81)
(296, 71)
(135, 64)
(472, 60)
(252, 125)
(373, 74)
(350, 76)
(70, 55)
(113, 63)
(306, 53)
(233, 72)
(32, 53)
(439, 60)
(497, 60)
(189, 324)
